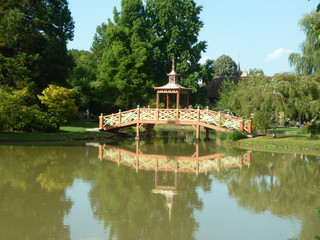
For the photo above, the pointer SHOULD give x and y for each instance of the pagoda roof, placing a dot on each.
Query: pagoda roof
(172, 86)
(173, 83)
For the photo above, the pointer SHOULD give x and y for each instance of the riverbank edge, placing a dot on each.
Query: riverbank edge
(268, 148)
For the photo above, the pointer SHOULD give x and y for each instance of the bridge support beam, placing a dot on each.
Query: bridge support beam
(137, 138)
(197, 139)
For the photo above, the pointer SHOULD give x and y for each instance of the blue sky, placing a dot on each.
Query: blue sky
(258, 34)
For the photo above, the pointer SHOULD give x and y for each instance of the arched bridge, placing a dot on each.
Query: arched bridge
(196, 117)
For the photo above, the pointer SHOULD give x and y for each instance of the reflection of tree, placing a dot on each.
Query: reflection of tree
(123, 199)
(286, 186)
(32, 191)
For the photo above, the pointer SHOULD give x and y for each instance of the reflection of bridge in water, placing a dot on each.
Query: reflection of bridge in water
(167, 164)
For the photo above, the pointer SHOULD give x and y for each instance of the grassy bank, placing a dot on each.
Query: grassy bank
(298, 143)
(76, 130)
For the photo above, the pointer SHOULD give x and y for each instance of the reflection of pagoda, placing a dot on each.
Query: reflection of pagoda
(164, 164)
(169, 191)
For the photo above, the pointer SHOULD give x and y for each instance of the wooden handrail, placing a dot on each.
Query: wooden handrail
(179, 116)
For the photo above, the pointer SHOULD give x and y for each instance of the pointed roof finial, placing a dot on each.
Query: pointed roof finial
(173, 64)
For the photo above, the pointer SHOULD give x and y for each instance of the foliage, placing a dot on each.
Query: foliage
(60, 102)
(32, 119)
(207, 71)
(176, 26)
(33, 42)
(224, 66)
(12, 105)
(135, 50)
(308, 61)
(255, 72)
(295, 96)
(233, 137)
(313, 128)
(82, 78)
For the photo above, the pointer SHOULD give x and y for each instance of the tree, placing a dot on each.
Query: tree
(82, 78)
(255, 72)
(33, 41)
(60, 102)
(176, 26)
(224, 66)
(138, 47)
(125, 70)
(12, 105)
(296, 96)
(308, 61)
(207, 71)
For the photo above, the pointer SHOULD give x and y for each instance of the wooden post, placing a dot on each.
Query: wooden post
(100, 152)
(101, 121)
(241, 127)
(248, 157)
(168, 101)
(197, 140)
(119, 157)
(138, 125)
(157, 112)
(249, 126)
(241, 160)
(219, 119)
(137, 132)
(178, 100)
(119, 116)
(158, 99)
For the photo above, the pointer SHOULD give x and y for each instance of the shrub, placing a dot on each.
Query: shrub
(313, 128)
(34, 120)
(234, 136)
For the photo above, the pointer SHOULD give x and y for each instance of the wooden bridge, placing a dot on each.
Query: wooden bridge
(196, 117)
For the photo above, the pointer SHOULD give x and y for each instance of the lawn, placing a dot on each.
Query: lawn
(75, 130)
(283, 142)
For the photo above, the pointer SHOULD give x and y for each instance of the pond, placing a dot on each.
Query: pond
(167, 187)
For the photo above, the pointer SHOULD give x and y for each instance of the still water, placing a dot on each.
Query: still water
(164, 188)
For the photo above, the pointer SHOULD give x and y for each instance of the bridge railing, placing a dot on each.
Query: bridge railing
(185, 116)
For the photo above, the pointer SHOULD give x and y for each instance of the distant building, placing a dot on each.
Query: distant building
(214, 87)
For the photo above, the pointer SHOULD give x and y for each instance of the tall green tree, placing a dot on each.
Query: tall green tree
(224, 66)
(308, 61)
(33, 42)
(82, 78)
(175, 27)
(125, 72)
(138, 46)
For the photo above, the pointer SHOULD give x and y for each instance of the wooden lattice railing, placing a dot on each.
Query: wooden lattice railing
(186, 164)
(206, 118)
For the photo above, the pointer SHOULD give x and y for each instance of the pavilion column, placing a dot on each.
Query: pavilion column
(168, 100)
(178, 100)
(158, 99)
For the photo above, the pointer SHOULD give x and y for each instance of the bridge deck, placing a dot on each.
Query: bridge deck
(197, 117)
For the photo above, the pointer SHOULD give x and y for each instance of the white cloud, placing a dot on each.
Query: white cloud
(278, 53)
